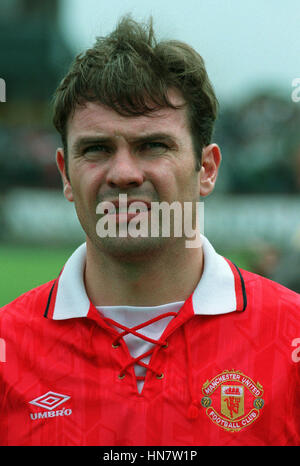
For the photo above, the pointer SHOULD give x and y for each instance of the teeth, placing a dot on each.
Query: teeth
(138, 207)
(133, 211)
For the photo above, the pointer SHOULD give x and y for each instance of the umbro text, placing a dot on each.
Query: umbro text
(45, 414)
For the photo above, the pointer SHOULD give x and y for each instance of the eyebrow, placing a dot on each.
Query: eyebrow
(151, 136)
(85, 140)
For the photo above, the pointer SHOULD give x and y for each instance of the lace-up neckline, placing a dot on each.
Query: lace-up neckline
(138, 360)
(141, 329)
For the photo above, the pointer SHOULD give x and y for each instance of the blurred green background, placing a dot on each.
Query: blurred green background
(25, 267)
(253, 217)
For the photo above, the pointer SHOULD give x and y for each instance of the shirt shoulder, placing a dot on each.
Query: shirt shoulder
(28, 304)
(268, 293)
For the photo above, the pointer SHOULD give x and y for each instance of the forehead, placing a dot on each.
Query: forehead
(96, 118)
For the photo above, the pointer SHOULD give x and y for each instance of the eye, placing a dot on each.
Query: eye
(154, 147)
(96, 148)
(95, 151)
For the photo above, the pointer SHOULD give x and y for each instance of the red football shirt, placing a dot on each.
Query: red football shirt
(222, 373)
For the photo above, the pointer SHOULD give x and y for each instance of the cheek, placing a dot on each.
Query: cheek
(189, 187)
(86, 183)
(175, 180)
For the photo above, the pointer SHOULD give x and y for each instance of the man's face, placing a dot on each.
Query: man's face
(148, 158)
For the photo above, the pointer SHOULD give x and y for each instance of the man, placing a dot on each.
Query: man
(142, 340)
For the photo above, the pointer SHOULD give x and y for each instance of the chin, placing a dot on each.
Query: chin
(132, 249)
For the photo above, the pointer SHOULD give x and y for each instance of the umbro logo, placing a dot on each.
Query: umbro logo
(50, 401)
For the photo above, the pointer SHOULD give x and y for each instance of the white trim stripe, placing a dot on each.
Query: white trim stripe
(215, 293)
(71, 299)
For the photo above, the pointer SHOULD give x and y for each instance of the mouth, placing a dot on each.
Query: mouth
(126, 211)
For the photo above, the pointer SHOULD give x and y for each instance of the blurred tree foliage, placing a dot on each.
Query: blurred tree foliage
(260, 143)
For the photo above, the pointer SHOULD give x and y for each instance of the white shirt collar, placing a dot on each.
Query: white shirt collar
(216, 292)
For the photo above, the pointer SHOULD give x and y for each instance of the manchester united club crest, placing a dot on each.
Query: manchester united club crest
(232, 400)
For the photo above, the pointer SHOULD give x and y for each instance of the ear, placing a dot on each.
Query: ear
(211, 159)
(61, 164)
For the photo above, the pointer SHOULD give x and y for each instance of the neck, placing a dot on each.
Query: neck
(158, 278)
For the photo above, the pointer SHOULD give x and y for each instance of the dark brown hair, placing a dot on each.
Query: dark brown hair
(129, 71)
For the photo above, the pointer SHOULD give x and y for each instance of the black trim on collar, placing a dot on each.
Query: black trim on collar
(243, 286)
(49, 300)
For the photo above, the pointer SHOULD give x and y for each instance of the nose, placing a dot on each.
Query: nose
(124, 171)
